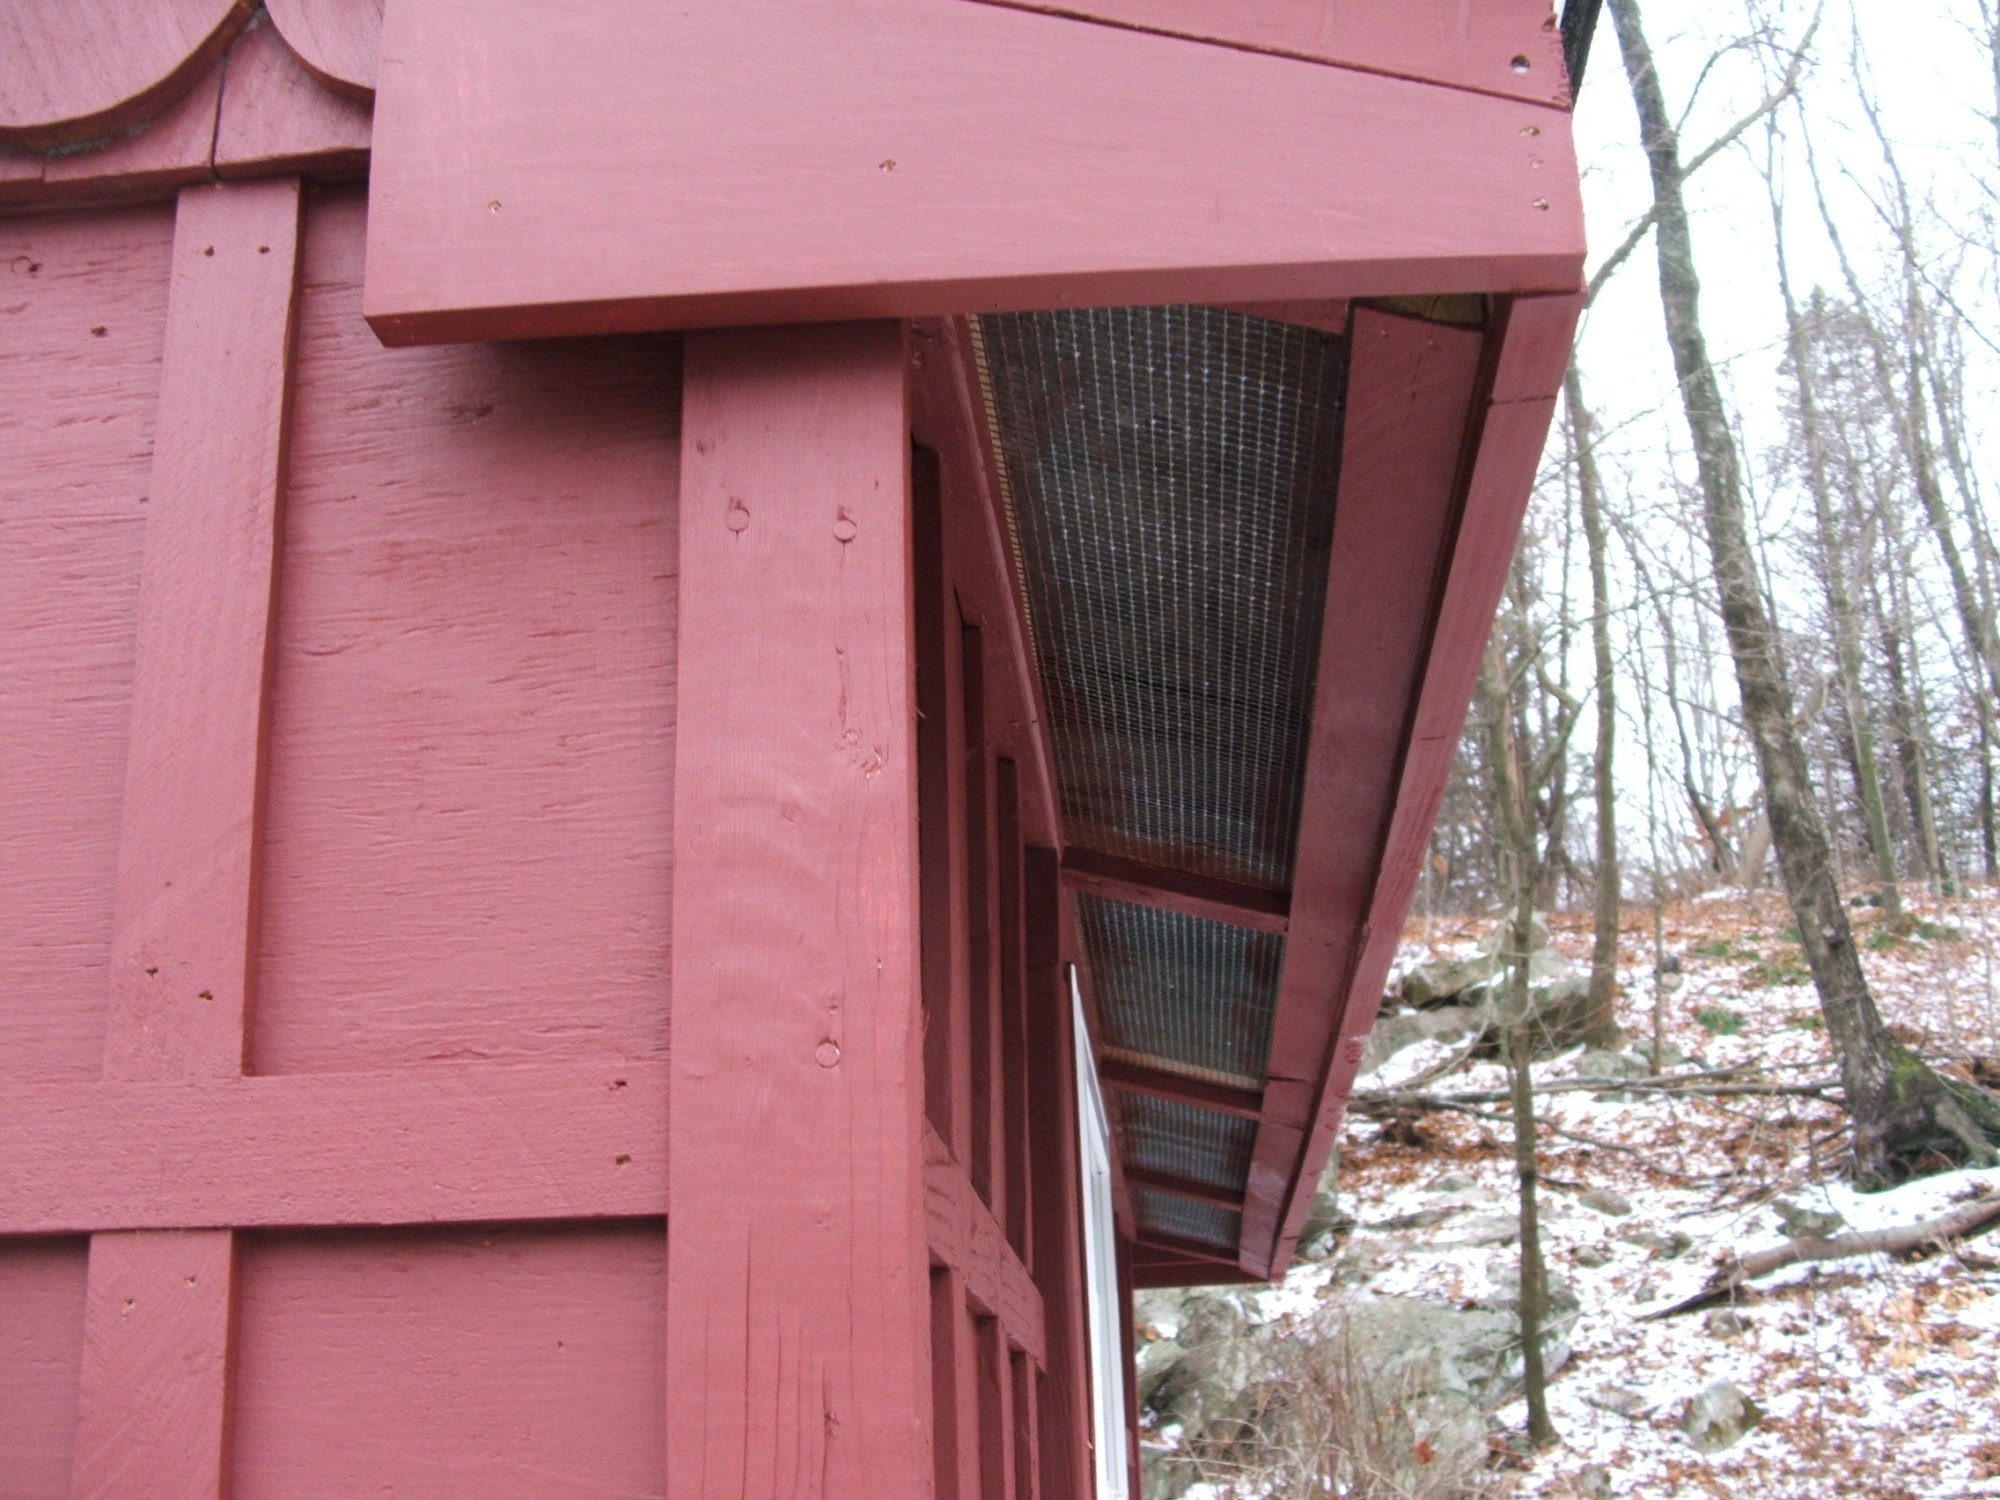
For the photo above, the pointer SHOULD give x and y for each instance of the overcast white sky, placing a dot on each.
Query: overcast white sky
(1933, 84)
(1936, 92)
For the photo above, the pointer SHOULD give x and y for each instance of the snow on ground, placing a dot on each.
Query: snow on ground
(1876, 1377)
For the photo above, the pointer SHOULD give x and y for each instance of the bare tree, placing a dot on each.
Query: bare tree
(1602, 1025)
(1510, 795)
(1907, 401)
(1843, 616)
(1903, 1113)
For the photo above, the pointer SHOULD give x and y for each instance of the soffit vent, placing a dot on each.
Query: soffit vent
(1197, 1145)
(1170, 475)
(1192, 994)
(1203, 1223)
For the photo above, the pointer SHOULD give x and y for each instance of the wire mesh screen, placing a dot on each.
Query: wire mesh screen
(1198, 1145)
(1171, 473)
(1204, 1223)
(1182, 989)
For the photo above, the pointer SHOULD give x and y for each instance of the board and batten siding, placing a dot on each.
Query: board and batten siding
(342, 877)
(82, 323)
(455, 688)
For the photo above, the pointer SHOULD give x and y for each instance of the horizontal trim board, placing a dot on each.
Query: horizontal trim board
(1156, 1269)
(1176, 890)
(1328, 315)
(1506, 47)
(966, 1237)
(1182, 1187)
(431, 1143)
(1135, 1078)
(771, 161)
(1173, 1246)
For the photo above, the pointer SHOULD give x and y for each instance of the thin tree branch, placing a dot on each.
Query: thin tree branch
(1635, 236)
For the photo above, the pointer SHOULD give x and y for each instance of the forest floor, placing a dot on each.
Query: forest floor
(1875, 1376)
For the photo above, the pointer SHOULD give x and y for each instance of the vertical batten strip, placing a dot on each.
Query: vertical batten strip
(798, 1317)
(153, 1401)
(1062, 1402)
(996, 1413)
(984, 1161)
(1018, 1216)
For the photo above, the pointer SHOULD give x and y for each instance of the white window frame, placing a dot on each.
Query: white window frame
(1108, 1355)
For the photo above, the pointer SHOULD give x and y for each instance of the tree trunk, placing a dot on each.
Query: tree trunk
(1656, 875)
(1989, 840)
(1519, 862)
(1989, 21)
(1840, 606)
(1910, 721)
(1903, 1113)
(1966, 478)
(1601, 1027)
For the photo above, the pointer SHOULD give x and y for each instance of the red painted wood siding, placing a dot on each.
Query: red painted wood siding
(84, 333)
(394, 904)
(467, 849)
(796, 1310)
(394, 961)
(91, 294)
(1507, 47)
(947, 156)
(340, 856)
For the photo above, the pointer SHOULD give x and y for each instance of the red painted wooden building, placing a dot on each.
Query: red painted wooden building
(714, 712)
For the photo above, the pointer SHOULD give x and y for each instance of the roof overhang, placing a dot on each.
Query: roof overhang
(1363, 216)
(1255, 617)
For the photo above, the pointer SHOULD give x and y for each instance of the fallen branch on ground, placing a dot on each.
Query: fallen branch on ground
(1377, 1109)
(1906, 1239)
(1682, 1087)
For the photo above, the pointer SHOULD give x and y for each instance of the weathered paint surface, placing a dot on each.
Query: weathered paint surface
(467, 840)
(85, 321)
(84, 325)
(1505, 47)
(338, 40)
(478, 1361)
(41, 1360)
(88, 69)
(153, 1397)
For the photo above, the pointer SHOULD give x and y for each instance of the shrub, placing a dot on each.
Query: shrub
(1722, 949)
(1719, 1020)
(1775, 973)
(1329, 1426)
